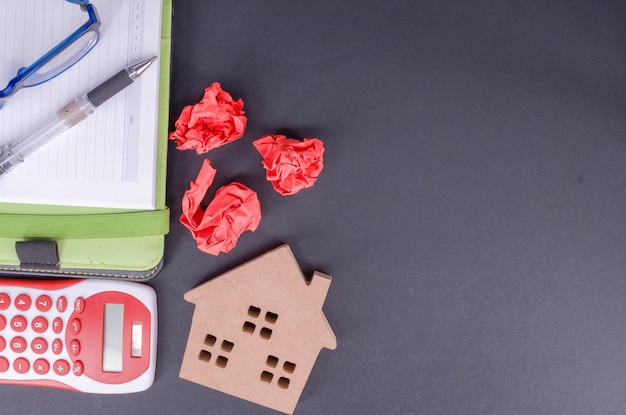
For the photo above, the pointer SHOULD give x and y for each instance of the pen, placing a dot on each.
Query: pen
(11, 155)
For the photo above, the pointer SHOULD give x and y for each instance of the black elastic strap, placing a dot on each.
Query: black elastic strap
(38, 255)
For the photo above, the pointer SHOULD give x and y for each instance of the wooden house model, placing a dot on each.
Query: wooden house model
(257, 330)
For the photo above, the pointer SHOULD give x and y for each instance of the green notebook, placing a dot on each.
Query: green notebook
(92, 237)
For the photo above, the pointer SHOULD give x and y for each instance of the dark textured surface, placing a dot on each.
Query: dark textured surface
(471, 211)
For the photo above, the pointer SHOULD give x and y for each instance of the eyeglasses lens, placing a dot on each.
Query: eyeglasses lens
(64, 59)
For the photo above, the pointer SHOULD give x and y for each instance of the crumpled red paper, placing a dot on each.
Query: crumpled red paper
(291, 165)
(216, 120)
(234, 210)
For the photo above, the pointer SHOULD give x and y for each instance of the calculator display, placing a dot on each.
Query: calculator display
(113, 337)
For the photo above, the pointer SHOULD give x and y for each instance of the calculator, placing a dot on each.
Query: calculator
(86, 335)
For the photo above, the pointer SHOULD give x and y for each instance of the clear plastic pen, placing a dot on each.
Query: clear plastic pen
(11, 155)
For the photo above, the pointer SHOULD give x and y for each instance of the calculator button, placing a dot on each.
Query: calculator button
(43, 303)
(4, 364)
(61, 304)
(3, 343)
(75, 326)
(5, 301)
(22, 302)
(19, 323)
(41, 366)
(74, 347)
(78, 368)
(21, 365)
(57, 346)
(57, 325)
(18, 344)
(3, 323)
(79, 305)
(39, 324)
(61, 367)
(39, 345)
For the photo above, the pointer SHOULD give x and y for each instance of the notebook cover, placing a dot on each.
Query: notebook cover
(86, 246)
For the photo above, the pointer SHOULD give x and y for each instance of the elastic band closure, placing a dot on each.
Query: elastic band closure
(38, 255)
(108, 225)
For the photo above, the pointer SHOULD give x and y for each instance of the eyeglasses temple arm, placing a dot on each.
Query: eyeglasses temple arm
(93, 23)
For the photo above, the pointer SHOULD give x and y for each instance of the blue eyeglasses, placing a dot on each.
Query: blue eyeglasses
(61, 57)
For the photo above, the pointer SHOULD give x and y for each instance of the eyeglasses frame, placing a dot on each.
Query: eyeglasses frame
(92, 25)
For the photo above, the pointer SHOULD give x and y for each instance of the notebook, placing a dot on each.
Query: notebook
(109, 160)
(92, 203)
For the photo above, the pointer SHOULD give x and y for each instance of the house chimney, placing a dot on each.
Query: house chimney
(318, 286)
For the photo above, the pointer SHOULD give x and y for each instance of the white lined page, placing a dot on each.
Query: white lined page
(109, 159)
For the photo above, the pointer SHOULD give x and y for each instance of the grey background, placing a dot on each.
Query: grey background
(471, 210)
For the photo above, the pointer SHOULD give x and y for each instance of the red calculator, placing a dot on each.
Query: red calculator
(96, 336)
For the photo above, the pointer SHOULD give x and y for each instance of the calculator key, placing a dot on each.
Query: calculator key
(19, 323)
(5, 301)
(41, 366)
(18, 344)
(57, 346)
(74, 347)
(75, 326)
(22, 302)
(21, 365)
(61, 367)
(3, 343)
(79, 305)
(57, 325)
(39, 345)
(78, 368)
(43, 303)
(4, 364)
(61, 304)
(39, 324)
(3, 323)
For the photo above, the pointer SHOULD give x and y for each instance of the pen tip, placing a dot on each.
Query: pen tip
(140, 67)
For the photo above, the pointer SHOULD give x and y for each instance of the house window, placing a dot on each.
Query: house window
(249, 327)
(253, 311)
(272, 363)
(210, 342)
(265, 333)
(227, 346)
(283, 382)
(254, 318)
(221, 361)
(289, 367)
(271, 317)
(266, 376)
(205, 355)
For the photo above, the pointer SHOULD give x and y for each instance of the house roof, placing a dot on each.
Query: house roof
(274, 281)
